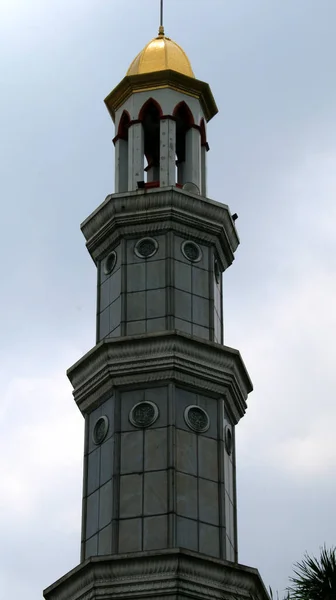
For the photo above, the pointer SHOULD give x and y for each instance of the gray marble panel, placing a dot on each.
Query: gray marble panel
(201, 332)
(156, 303)
(183, 398)
(211, 406)
(130, 534)
(182, 305)
(204, 262)
(131, 452)
(159, 395)
(155, 493)
(184, 326)
(131, 256)
(209, 540)
(182, 272)
(200, 311)
(208, 501)
(116, 332)
(130, 496)
(105, 540)
(91, 546)
(105, 504)
(200, 282)
(178, 241)
(207, 458)
(186, 452)
(155, 533)
(155, 449)
(136, 277)
(93, 470)
(136, 306)
(155, 274)
(218, 330)
(115, 313)
(107, 408)
(103, 277)
(161, 252)
(136, 327)
(153, 325)
(230, 554)
(127, 401)
(229, 518)
(115, 285)
(104, 296)
(93, 417)
(92, 508)
(106, 460)
(104, 323)
(186, 495)
(186, 534)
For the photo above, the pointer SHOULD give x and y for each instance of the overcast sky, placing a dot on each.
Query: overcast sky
(271, 65)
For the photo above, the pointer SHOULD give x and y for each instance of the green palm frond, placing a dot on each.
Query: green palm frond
(315, 578)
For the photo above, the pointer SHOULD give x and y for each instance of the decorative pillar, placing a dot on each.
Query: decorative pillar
(192, 169)
(121, 165)
(203, 170)
(136, 155)
(167, 152)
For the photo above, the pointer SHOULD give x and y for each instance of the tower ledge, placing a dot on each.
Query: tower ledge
(156, 358)
(158, 575)
(153, 211)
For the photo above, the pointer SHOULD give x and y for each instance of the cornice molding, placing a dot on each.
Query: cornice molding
(153, 358)
(190, 86)
(159, 575)
(156, 211)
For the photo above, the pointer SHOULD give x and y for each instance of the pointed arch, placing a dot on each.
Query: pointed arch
(150, 115)
(123, 126)
(151, 105)
(184, 122)
(183, 113)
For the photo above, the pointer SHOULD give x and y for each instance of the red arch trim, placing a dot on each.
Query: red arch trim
(203, 133)
(123, 126)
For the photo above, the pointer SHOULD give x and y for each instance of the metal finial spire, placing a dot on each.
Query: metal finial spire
(161, 28)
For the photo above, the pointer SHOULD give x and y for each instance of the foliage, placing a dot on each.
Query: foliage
(315, 578)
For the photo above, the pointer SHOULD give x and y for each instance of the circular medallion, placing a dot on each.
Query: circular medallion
(191, 251)
(110, 262)
(217, 272)
(228, 439)
(197, 418)
(146, 247)
(144, 414)
(100, 430)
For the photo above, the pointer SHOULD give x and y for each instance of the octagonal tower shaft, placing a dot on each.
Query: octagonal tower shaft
(160, 392)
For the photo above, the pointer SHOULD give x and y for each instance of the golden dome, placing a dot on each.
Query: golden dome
(159, 55)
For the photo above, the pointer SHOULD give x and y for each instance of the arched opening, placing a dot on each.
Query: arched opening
(121, 153)
(150, 117)
(184, 121)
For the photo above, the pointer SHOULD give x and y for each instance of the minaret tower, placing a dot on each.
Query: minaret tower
(160, 392)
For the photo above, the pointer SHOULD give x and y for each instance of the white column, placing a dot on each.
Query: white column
(203, 170)
(121, 166)
(192, 172)
(136, 155)
(167, 152)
